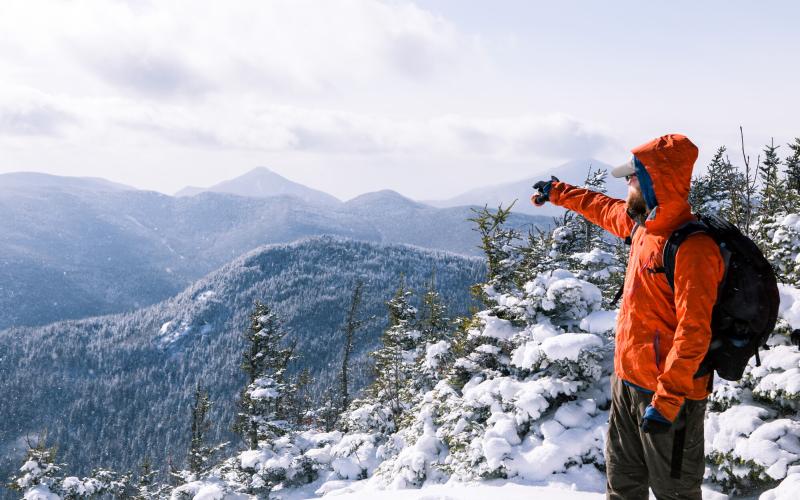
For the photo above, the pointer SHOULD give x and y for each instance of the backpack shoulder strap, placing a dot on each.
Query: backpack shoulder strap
(629, 239)
(629, 242)
(674, 242)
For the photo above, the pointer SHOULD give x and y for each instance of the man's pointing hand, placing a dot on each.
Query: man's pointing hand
(543, 188)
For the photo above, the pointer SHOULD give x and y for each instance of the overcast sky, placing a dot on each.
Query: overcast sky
(429, 98)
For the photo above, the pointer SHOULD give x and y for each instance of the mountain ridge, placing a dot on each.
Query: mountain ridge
(261, 182)
(573, 172)
(78, 253)
(41, 180)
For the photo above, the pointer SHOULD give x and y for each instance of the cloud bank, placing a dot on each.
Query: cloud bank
(282, 77)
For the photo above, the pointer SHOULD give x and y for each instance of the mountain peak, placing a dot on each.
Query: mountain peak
(262, 182)
(383, 197)
(259, 171)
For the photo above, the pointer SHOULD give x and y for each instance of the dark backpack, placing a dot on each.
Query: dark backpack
(747, 304)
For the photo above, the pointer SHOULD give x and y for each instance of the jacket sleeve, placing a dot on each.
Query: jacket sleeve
(699, 269)
(608, 213)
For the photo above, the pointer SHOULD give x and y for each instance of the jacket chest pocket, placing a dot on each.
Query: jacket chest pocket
(650, 264)
(653, 277)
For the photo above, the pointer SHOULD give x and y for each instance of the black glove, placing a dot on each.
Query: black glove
(655, 423)
(543, 187)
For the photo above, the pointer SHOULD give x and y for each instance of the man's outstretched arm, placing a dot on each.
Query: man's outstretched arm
(608, 213)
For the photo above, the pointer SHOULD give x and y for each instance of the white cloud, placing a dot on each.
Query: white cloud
(337, 82)
(171, 47)
(30, 119)
(285, 128)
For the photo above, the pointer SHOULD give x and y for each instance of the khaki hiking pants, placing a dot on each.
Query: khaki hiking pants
(636, 461)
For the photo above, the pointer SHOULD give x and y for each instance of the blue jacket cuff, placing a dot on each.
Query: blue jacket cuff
(651, 413)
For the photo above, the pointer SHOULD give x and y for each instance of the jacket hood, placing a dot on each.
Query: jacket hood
(669, 161)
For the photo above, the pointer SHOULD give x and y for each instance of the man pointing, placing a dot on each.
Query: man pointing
(655, 432)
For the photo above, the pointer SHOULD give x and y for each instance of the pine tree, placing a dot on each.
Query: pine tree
(433, 323)
(436, 347)
(327, 415)
(146, 486)
(771, 188)
(534, 255)
(726, 190)
(498, 243)
(792, 163)
(261, 415)
(41, 477)
(300, 404)
(395, 358)
(199, 456)
(709, 192)
(590, 235)
(39, 472)
(352, 325)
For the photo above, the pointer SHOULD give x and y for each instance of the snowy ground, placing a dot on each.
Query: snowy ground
(580, 487)
(482, 491)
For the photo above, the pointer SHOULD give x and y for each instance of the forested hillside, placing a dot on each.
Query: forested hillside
(114, 389)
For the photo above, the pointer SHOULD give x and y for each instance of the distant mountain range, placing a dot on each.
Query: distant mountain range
(573, 172)
(111, 389)
(78, 247)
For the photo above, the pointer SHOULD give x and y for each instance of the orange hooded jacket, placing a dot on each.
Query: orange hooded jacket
(662, 336)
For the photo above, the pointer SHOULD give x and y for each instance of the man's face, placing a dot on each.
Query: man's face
(636, 206)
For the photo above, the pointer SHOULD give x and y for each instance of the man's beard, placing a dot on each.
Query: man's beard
(637, 208)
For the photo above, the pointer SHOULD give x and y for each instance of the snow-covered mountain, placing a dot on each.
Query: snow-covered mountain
(74, 248)
(262, 182)
(573, 172)
(113, 389)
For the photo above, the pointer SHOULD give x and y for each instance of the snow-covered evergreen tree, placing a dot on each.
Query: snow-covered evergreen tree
(199, 458)
(727, 191)
(394, 360)
(436, 344)
(261, 416)
(39, 475)
(792, 167)
(262, 420)
(718, 190)
(351, 327)
(41, 478)
(147, 486)
(772, 195)
(300, 404)
(497, 242)
(590, 235)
